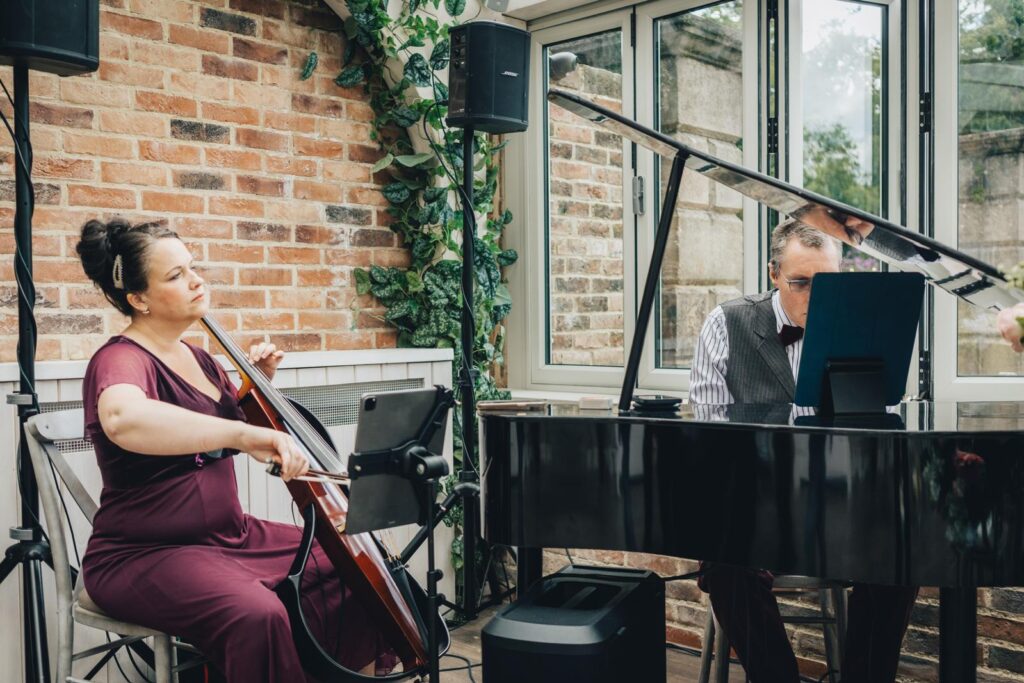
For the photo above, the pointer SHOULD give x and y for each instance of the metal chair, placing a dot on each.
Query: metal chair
(714, 668)
(43, 431)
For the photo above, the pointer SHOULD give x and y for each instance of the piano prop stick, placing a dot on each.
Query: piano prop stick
(941, 507)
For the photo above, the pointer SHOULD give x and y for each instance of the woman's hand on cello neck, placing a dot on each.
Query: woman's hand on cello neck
(266, 357)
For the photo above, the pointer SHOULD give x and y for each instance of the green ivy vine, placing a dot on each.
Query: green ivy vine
(424, 160)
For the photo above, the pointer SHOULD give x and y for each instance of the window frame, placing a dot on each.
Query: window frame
(650, 376)
(527, 340)
(528, 350)
(948, 383)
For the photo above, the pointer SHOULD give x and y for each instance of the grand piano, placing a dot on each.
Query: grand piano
(931, 494)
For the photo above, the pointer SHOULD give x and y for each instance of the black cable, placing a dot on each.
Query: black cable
(468, 668)
(26, 165)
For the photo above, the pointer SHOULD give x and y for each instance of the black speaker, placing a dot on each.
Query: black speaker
(488, 77)
(59, 36)
(587, 624)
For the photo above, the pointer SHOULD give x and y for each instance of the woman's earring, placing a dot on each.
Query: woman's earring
(145, 312)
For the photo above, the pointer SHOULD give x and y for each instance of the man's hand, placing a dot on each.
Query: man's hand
(1009, 324)
(852, 230)
(266, 357)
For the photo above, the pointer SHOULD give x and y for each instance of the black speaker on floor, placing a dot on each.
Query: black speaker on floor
(488, 77)
(58, 36)
(592, 624)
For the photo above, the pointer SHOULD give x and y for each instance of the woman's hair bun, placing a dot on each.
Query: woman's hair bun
(118, 241)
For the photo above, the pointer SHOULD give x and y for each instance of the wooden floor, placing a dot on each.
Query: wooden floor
(466, 642)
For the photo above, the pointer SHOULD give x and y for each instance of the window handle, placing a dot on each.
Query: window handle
(638, 195)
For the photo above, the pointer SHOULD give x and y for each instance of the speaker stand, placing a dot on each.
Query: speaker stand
(31, 549)
(467, 472)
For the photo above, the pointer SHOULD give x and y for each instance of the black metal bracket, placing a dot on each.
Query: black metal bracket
(412, 459)
(853, 387)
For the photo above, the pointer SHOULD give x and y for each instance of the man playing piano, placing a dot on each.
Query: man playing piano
(749, 352)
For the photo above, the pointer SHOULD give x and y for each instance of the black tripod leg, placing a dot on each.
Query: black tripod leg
(37, 657)
(6, 567)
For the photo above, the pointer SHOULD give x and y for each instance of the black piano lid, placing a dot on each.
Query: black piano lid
(921, 417)
(942, 266)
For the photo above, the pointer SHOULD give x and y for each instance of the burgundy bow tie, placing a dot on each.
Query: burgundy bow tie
(789, 334)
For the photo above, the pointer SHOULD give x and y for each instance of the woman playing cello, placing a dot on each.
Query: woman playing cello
(171, 548)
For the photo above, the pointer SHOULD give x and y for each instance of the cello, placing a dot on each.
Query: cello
(378, 579)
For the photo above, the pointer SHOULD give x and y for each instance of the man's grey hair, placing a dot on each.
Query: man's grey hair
(793, 228)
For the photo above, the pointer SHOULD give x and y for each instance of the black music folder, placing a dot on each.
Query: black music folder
(858, 342)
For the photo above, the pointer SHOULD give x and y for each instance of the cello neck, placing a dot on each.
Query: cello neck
(298, 426)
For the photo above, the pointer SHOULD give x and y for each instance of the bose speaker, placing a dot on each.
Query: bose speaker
(488, 77)
(58, 36)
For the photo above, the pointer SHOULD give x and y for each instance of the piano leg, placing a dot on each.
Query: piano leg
(958, 631)
(529, 565)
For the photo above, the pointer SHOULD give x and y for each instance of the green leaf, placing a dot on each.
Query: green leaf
(396, 193)
(454, 7)
(309, 67)
(417, 70)
(422, 251)
(506, 217)
(405, 116)
(383, 163)
(349, 54)
(403, 309)
(350, 76)
(414, 281)
(502, 297)
(411, 160)
(439, 55)
(507, 257)
(423, 338)
(440, 92)
(362, 281)
(487, 273)
(413, 6)
(432, 194)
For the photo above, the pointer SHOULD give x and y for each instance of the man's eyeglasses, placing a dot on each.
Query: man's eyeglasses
(799, 285)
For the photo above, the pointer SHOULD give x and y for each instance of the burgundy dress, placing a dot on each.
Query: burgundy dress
(172, 550)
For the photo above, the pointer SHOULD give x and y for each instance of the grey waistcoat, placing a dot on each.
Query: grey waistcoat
(758, 369)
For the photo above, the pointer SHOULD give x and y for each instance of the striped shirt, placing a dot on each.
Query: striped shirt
(711, 359)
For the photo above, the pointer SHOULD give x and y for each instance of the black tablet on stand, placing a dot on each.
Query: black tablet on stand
(858, 341)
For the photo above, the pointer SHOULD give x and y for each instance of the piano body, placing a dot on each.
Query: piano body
(932, 495)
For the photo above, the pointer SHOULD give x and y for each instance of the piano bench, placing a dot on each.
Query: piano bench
(832, 601)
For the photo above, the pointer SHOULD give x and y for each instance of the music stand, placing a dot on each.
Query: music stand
(394, 474)
(858, 341)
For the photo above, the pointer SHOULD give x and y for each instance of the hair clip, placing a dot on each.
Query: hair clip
(118, 272)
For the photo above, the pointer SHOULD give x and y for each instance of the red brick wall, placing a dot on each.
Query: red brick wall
(585, 231)
(197, 116)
